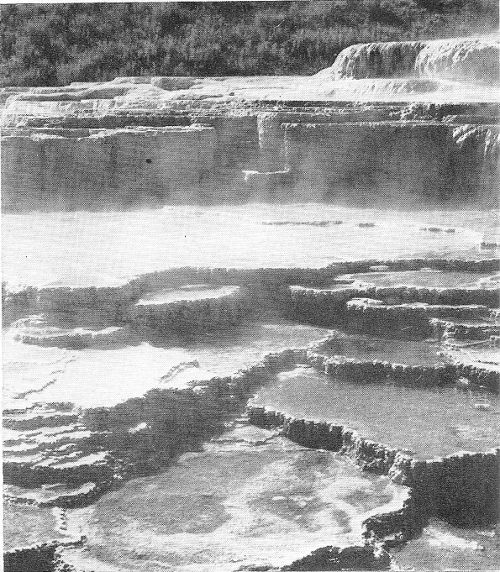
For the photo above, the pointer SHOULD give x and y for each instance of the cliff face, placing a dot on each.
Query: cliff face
(259, 157)
(114, 167)
(394, 161)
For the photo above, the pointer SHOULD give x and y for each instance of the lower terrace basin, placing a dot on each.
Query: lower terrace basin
(423, 278)
(251, 500)
(446, 547)
(54, 399)
(370, 348)
(427, 423)
(54, 374)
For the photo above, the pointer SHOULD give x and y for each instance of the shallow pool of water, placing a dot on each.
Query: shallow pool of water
(92, 377)
(428, 422)
(109, 248)
(186, 293)
(250, 498)
(370, 348)
(444, 547)
(426, 279)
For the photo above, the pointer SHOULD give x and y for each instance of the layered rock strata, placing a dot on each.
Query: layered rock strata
(131, 165)
(431, 160)
(384, 309)
(224, 161)
(110, 305)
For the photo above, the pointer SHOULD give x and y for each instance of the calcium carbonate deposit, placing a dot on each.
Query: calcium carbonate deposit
(252, 323)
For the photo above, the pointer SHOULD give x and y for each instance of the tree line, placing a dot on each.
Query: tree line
(61, 43)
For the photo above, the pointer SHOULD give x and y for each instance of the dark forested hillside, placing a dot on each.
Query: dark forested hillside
(57, 44)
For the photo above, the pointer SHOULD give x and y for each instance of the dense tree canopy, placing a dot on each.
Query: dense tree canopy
(60, 43)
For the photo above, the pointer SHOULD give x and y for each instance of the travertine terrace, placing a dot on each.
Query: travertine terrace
(411, 124)
(133, 363)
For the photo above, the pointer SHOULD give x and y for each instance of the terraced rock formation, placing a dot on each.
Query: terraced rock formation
(68, 455)
(430, 135)
(128, 367)
(453, 58)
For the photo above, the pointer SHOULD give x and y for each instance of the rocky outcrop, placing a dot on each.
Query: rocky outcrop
(238, 159)
(410, 375)
(461, 489)
(464, 331)
(378, 371)
(83, 495)
(39, 558)
(478, 376)
(368, 315)
(101, 306)
(397, 527)
(268, 288)
(42, 334)
(391, 310)
(44, 557)
(28, 475)
(477, 156)
(400, 310)
(424, 159)
(147, 141)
